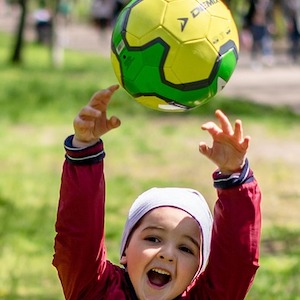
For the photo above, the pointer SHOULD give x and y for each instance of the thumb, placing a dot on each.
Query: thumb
(204, 149)
(113, 122)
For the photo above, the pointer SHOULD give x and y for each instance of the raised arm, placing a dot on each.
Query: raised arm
(79, 243)
(234, 252)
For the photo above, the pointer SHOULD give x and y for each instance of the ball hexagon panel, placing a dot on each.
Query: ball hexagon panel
(180, 21)
(196, 67)
(154, 20)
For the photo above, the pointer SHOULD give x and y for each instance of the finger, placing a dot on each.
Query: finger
(238, 131)
(81, 124)
(239, 135)
(212, 128)
(88, 112)
(224, 122)
(204, 149)
(113, 88)
(101, 98)
(114, 122)
(246, 142)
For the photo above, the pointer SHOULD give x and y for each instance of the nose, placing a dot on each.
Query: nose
(167, 254)
(165, 258)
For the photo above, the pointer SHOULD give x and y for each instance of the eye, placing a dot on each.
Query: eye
(186, 249)
(152, 239)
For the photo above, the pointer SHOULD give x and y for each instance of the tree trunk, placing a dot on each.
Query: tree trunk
(56, 47)
(17, 52)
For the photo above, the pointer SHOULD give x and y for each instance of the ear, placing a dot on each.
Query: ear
(123, 259)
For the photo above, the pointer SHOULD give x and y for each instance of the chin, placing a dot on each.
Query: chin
(151, 292)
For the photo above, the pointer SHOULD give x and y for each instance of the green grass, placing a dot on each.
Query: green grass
(38, 104)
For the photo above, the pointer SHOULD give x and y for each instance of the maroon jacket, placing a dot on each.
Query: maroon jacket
(80, 255)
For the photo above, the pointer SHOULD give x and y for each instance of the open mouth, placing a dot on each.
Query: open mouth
(159, 277)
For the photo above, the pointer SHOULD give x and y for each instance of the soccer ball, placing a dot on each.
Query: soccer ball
(174, 55)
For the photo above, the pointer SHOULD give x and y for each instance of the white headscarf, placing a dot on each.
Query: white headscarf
(189, 200)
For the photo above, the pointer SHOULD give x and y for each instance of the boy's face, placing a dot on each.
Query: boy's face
(163, 253)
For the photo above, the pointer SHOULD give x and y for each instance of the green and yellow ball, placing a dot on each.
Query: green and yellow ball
(174, 55)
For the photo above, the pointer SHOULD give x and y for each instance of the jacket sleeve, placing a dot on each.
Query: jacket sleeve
(80, 219)
(235, 241)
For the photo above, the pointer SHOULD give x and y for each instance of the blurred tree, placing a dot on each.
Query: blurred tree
(53, 44)
(56, 48)
(18, 47)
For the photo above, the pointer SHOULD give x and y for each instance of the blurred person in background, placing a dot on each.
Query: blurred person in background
(102, 14)
(292, 9)
(120, 4)
(65, 11)
(259, 22)
(43, 23)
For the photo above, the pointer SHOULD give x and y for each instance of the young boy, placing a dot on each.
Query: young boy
(171, 248)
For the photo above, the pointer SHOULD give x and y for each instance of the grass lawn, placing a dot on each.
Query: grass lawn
(38, 104)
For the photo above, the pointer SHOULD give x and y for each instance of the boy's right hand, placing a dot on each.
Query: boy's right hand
(229, 147)
(92, 122)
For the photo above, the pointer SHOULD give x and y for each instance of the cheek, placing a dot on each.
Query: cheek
(190, 266)
(137, 261)
(135, 252)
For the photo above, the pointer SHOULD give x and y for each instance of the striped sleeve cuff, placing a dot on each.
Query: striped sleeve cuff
(227, 181)
(83, 156)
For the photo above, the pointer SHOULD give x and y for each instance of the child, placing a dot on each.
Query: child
(170, 248)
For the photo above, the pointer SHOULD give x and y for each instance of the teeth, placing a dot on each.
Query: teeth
(159, 271)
